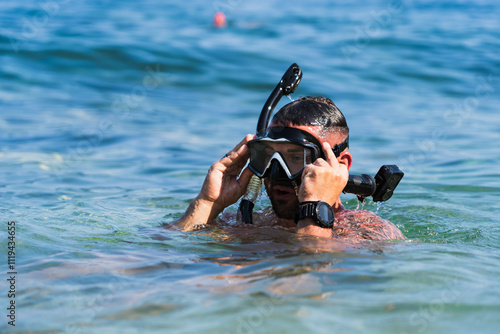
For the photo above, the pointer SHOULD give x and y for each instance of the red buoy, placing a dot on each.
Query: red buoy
(220, 20)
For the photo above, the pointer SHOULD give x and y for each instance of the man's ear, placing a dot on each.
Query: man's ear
(345, 158)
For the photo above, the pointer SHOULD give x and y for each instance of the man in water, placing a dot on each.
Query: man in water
(305, 161)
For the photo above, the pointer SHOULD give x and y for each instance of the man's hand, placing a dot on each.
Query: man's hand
(324, 180)
(221, 188)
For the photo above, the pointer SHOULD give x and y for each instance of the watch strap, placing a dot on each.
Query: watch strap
(307, 210)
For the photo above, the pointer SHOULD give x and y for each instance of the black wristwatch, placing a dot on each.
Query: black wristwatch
(321, 212)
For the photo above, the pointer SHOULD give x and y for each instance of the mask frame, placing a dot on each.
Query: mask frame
(284, 134)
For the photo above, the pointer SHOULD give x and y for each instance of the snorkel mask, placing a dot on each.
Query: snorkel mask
(284, 152)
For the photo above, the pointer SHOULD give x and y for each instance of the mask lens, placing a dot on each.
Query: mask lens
(295, 156)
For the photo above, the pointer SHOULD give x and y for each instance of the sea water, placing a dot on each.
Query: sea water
(113, 111)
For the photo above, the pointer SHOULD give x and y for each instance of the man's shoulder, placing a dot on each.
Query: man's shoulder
(362, 224)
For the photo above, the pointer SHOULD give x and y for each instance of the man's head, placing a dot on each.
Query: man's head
(319, 117)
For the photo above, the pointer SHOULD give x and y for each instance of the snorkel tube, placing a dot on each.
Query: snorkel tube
(289, 81)
(380, 187)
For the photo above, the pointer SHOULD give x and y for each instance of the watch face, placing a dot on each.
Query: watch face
(325, 214)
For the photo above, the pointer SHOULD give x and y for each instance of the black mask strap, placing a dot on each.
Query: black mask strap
(337, 149)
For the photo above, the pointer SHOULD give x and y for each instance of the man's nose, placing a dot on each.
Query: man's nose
(277, 172)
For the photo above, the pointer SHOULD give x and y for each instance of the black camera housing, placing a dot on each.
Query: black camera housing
(387, 179)
(380, 187)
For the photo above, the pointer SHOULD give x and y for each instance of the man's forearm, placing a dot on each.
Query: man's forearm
(198, 212)
(307, 226)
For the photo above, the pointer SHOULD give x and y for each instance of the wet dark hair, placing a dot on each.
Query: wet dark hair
(312, 111)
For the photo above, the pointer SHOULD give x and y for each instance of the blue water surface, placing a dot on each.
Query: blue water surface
(111, 112)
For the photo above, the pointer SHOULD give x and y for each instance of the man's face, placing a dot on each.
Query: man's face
(284, 193)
